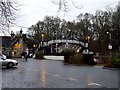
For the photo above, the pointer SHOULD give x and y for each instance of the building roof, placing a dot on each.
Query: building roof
(28, 41)
(7, 41)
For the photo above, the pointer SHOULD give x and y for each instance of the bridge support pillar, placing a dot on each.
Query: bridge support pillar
(87, 50)
(51, 49)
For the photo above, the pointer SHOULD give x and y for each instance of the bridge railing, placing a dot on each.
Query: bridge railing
(63, 41)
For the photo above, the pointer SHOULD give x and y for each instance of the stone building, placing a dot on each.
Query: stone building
(14, 45)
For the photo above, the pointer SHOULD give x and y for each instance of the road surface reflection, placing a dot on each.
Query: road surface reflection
(43, 74)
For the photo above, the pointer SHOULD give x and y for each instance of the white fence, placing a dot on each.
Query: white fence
(63, 41)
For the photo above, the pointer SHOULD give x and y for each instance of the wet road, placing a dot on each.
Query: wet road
(54, 74)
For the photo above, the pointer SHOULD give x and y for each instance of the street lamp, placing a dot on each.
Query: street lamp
(110, 45)
(88, 38)
(67, 31)
(34, 48)
(56, 42)
(42, 36)
(87, 44)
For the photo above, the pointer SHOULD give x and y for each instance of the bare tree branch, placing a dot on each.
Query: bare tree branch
(7, 14)
(63, 6)
(78, 7)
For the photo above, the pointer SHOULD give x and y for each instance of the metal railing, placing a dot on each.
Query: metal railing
(63, 41)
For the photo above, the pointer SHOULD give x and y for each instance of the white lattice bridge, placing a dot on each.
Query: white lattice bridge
(64, 41)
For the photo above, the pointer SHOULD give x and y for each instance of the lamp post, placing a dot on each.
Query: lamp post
(110, 45)
(67, 32)
(42, 36)
(56, 42)
(87, 44)
(88, 39)
(34, 48)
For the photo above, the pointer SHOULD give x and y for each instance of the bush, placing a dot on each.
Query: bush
(72, 57)
(78, 58)
(39, 55)
(68, 55)
(115, 59)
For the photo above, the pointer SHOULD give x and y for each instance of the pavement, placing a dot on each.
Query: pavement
(54, 74)
(61, 58)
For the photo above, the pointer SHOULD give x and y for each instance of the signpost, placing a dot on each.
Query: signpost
(110, 48)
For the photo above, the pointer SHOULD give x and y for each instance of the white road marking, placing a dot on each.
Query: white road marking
(93, 84)
(73, 79)
(57, 75)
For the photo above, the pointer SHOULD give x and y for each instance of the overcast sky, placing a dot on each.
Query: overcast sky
(35, 10)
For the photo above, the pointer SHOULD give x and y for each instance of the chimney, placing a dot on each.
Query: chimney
(21, 32)
(12, 35)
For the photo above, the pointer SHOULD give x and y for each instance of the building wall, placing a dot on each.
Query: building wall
(18, 48)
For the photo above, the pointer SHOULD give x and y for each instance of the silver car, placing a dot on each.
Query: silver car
(9, 63)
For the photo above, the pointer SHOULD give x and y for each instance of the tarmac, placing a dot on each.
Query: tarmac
(54, 74)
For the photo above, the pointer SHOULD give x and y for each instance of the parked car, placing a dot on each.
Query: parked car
(9, 63)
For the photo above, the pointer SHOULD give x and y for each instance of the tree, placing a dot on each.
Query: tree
(102, 23)
(7, 14)
(50, 26)
(95, 26)
(64, 6)
(84, 25)
(116, 28)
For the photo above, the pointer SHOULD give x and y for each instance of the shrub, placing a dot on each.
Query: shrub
(39, 55)
(68, 55)
(115, 59)
(78, 58)
(71, 57)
